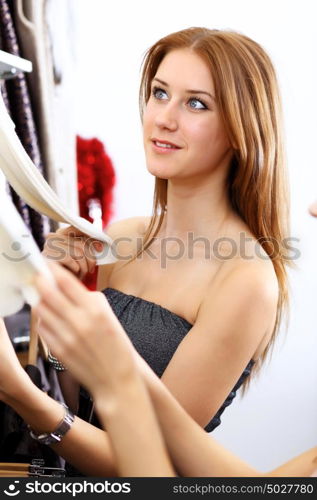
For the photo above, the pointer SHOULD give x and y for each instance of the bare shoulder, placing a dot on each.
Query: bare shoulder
(251, 274)
(243, 295)
(126, 235)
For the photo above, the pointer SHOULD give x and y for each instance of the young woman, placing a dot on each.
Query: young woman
(202, 299)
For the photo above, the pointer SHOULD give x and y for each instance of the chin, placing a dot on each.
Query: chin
(158, 172)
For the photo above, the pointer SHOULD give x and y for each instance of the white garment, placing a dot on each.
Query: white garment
(20, 260)
(31, 186)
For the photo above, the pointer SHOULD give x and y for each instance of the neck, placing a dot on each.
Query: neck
(200, 207)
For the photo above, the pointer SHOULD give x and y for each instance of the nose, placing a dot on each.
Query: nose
(166, 117)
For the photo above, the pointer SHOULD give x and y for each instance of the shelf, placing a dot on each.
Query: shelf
(10, 65)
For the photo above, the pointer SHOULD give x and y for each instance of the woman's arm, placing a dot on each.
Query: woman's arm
(196, 454)
(107, 364)
(78, 324)
(129, 417)
(237, 313)
(85, 446)
(135, 442)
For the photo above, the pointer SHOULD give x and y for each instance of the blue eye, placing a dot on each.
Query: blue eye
(196, 103)
(193, 102)
(159, 93)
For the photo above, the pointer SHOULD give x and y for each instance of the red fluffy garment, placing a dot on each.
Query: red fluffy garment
(96, 179)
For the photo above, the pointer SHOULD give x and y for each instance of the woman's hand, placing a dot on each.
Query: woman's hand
(82, 331)
(313, 209)
(12, 374)
(73, 249)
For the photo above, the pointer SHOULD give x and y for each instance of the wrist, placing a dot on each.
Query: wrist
(112, 401)
(123, 377)
(37, 409)
(64, 425)
(152, 382)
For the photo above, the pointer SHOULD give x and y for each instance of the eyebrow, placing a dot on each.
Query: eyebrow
(189, 91)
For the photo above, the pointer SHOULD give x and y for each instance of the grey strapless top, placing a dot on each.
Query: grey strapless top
(156, 333)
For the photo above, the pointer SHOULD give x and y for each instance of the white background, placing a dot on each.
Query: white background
(277, 418)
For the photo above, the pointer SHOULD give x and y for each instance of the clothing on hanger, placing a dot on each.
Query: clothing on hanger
(28, 182)
(19, 106)
(20, 260)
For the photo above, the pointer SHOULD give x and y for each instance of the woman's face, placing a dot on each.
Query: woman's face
(182, 130)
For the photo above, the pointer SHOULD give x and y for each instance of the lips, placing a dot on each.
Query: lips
(162, 144)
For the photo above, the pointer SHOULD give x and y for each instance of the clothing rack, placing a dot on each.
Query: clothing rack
(10, 65)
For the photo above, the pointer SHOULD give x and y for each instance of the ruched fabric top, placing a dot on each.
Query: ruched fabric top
(156, 333)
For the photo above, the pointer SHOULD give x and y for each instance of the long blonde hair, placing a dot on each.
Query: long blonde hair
(248, 100)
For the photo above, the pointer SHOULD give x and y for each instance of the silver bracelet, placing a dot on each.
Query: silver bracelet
(55, 362)
(60, 431)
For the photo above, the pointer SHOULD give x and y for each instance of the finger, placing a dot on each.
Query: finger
(54, 299)
(58, 320)
(75, 248)
(70, 230)
(92, 265)
(53, 342)
(72, 266)
(72, 362)
(71, 234)
(83, 253)
(71, 287)
(65, 348)
(89, 252)
(67, 262)
(83, 267)
(84, 250)
(78, 249)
